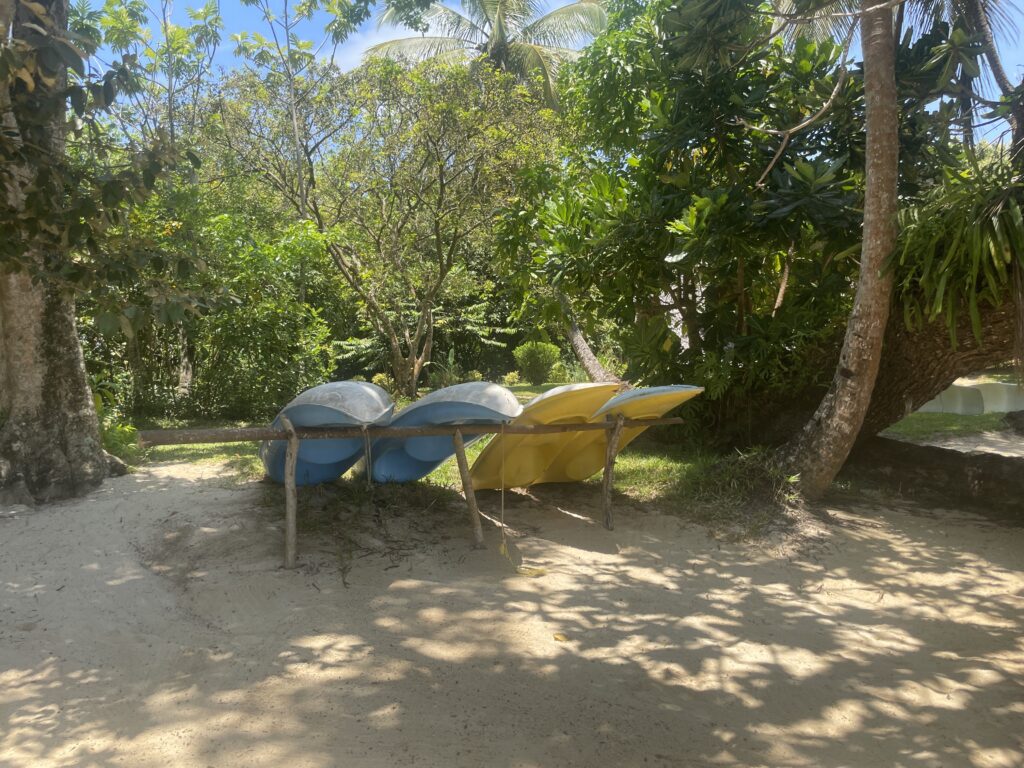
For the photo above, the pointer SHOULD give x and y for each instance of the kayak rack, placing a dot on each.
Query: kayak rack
(293, 435)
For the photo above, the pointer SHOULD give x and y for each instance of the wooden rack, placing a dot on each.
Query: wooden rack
(456, 431)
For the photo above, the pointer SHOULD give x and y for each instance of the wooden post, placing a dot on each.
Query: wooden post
(467, 488)
(609, 470)
(290, 496)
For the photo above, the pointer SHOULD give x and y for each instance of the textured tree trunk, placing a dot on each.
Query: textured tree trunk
(918, 365)
(580, 346)
(825, 442)
(49, 440)
(186, 368)
(49, 437)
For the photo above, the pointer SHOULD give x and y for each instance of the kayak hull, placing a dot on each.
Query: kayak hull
(336, 404)
(584, 454)
(403, 460)
(516, 461)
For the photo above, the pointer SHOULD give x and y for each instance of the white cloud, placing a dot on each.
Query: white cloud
(350, 54)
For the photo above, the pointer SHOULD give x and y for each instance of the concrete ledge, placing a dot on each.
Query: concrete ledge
(986, 480)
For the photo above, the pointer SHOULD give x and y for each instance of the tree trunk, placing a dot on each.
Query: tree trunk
(49, 440)
(825, 442)
(580, 346)
(49, 436)
(918, 365)
(186, 368)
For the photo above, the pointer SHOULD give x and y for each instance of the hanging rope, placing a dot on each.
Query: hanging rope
(369, 457)
(504, 538)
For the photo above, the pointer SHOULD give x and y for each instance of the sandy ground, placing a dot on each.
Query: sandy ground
(151, 625)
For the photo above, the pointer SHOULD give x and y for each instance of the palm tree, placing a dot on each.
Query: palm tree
(822, 447)
(512, 34)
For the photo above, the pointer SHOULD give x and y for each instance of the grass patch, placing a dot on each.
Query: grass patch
(526, 392)
(648, 471)
(240, 458)
(924, 426)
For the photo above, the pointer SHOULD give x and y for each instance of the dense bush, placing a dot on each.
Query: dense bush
(256, 358)
(444, 372)
(535, 360)
(385, 381)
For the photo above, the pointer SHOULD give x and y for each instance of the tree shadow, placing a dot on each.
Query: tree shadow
(893, 640)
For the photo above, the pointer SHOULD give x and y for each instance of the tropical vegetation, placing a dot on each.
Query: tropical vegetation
(200, 229)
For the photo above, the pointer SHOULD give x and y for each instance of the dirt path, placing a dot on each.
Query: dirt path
(150, 625)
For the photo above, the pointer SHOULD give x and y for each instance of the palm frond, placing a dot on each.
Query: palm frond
(1001, 14)
(517, 14)
(415, 48)
(445, 21)
(832, 22)
(567, 26)
(484, 13)
(529, 58)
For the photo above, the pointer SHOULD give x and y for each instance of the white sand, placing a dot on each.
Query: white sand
(150, 625)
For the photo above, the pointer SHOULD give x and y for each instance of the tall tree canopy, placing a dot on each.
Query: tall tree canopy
(513, 36)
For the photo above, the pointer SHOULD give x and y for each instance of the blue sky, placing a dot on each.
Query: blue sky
(238, 18)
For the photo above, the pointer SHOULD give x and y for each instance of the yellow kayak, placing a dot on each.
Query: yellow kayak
(583, 454)
(526, 457)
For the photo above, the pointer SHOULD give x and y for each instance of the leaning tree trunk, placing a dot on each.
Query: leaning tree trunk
(49, 437)
(918, 365)
(580, 346)
(825, 442)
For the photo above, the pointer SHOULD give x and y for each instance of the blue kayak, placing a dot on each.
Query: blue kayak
(402, 460)
(337, 404)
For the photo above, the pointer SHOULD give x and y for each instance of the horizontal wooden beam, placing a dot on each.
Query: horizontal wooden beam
(250, 434)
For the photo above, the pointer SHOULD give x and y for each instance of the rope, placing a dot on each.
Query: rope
(504, 539)
(369, 457)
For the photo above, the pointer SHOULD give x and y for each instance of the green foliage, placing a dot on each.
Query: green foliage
(403, 171)
(385, 381)
(510, 379)
(119, 437)
(63, 186)
(121, 440)
(575, 373)
(257, 357)
(445, 372)
(250, 344)
(671, 220)
(720, 242)
(535, 360)
(961, 243)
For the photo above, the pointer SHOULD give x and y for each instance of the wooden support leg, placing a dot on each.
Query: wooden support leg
(609, 470)
(467, 488)
(290, 495)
